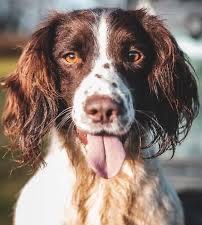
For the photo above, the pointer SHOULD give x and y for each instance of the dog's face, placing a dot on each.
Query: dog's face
(98, 63)
(117, 71)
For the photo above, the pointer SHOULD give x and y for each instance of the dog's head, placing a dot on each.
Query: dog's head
(112, 72)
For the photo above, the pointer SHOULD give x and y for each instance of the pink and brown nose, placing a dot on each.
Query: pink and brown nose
(102, 109)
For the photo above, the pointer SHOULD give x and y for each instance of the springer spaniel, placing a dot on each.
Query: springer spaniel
(109, 84)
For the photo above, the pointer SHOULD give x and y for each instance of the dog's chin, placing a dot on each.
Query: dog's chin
(104, 153)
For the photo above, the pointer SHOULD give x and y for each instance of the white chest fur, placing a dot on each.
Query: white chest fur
(47, 199)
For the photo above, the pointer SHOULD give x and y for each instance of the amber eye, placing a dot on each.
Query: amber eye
(135, 56)
(72, 57)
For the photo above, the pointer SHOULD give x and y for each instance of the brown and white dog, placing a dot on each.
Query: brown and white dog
(108, 83)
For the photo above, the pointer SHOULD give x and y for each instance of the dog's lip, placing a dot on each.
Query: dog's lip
(82, 135)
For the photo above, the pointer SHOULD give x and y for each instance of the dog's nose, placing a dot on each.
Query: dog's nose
(102, 109)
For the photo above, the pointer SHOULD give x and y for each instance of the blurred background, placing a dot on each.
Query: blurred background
(19, 18)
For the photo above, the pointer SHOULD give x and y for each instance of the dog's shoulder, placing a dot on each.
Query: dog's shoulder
(47, 193)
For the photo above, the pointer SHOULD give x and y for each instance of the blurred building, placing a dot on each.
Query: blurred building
(23, 15)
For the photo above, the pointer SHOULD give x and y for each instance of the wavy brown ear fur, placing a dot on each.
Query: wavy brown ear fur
(31, 103)
(175, 97)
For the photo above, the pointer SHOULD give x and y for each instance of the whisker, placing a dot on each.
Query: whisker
(152, 118)
(139, 136)
(64, 120)
(53, 120)
(71, 127)
(158, 135)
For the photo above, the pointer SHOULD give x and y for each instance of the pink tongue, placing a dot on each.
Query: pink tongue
(105, 155)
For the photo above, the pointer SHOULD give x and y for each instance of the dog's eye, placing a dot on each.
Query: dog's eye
(135, 56)
(72, 57)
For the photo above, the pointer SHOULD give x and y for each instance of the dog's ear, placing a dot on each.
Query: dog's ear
(31, 101)
(174, 88)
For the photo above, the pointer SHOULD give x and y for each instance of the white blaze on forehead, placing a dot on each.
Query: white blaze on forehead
(102, 39)
(100, 81)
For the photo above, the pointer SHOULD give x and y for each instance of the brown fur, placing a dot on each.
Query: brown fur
(170, 87)
(89, 182)
(121, 200)
(165, 95)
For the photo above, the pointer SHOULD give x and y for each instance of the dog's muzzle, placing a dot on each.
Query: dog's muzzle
(104, 153)
(103, 114)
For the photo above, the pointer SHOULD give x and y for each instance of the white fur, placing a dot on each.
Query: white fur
(47, 196)
(102, 40)
(102, 86)
(95, 203)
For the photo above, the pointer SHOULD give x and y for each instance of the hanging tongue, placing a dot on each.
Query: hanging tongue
(105, 155)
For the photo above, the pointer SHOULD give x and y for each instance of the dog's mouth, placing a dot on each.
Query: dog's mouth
(105, 153)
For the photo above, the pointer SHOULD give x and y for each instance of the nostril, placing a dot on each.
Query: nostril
(93, 111)
(112, 113)
(109, 113)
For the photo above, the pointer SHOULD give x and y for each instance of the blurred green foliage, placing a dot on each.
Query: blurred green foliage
(7, 65)
(11, 179)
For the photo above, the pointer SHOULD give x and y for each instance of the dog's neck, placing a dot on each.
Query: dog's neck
(109, 195)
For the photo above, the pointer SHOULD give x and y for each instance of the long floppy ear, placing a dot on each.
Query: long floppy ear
(31, 103)
(175, 97)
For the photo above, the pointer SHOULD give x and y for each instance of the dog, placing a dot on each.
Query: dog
(113, 90)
